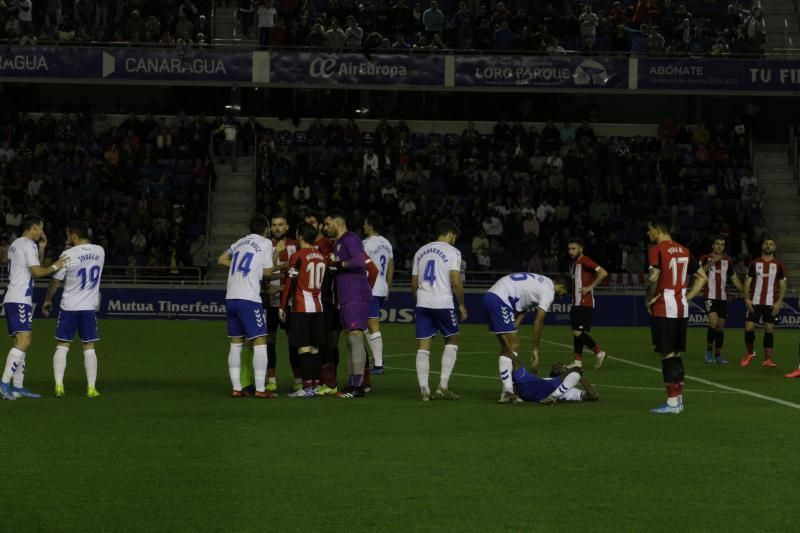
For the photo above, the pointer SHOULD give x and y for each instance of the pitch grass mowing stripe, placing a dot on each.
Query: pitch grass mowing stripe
(626, 387)
(699, 380)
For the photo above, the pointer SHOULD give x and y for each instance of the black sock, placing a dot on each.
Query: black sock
(294, 358)
(711, 334)
(577, 345)
(749, 337)
(588, 341)
(306, 366)
(273, 357)
(720, 339)
(769, 341)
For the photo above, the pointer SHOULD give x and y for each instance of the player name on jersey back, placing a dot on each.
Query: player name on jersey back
(249, 257)
(432, 265)
(379, 250)
(81, 277)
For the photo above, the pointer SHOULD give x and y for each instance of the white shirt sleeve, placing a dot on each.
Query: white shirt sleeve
(31, 255)
(546, 300)
(456, 263)
(267, 261)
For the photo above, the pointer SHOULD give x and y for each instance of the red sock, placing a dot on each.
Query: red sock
(578, 357)
(298, 374)
(674, 390)
(767, 353)
(749, 348)
(596, 349)
(328, 375)
(271, 372)
(367, 382)
(717, 352)
(308, 383)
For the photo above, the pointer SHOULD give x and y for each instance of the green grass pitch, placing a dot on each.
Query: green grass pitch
(166, 449)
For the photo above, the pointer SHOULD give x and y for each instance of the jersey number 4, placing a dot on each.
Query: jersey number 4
(429, 274)
(244, 265)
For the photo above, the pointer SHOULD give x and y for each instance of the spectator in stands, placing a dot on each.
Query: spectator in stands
(433, 19)
(588, 23)
(756, 30)
(200, 254)
(134, 27)
(503, 39)
(480, 250)
(265, 16)
(316, 38)
(354, 34)
(246, 9)
(335, 36)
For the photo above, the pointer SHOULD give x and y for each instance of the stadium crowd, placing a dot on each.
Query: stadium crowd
(519, 193)
(142, 185)
(643, 27)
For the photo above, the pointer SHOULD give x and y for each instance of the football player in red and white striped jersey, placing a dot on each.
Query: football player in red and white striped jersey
(719, 268)
(586, 275)
(307, 268)
(764, 290)
(668, 304)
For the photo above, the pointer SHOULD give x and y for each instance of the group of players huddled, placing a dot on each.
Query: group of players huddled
(326, 281)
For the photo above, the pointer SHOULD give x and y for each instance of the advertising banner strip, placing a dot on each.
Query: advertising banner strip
(554, 72)
(719, 75)
(209, 304)
(49, 62)
(176, 64)
(356, 68)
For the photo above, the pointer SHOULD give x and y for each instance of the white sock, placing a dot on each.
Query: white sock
(60, 364)
(19, 373)
(448, 363)
(235, 365)
(90, 364)
(12, 362)
(376, 345)
(673, 401)
(569, 382)
(423, 368)
(506, 366)
(260, 360)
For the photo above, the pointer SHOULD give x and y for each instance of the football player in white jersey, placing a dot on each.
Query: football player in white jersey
(79, 304)
(379, 250)
(249, 260)
(507, 302)
(435, 278)
(24, 264)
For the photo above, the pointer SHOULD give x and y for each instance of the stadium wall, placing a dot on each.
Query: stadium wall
(209, 304)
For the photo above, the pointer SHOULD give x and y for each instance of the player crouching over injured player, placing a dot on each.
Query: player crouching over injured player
(561, 386)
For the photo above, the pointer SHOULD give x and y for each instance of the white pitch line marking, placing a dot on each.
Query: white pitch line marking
(728, 388)
(627, 387)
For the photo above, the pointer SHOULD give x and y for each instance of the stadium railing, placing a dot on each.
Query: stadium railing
(142, 275)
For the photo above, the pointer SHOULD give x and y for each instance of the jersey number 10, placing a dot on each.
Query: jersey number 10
(316, 271)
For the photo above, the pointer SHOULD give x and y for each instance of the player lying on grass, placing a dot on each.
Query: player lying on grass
(561, 386)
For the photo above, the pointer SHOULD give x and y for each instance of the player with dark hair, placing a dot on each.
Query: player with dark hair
(506, 303)
(354, 295)
(764, 291)
(279, 230)
(668, 304)
(435, 279)
(79, 304)
(306, 274)
(249, 260)
(24, 264)
(586, 275)
(719, 268)
(379, 250)
(333, 325)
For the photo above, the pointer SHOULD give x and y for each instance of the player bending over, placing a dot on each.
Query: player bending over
(506, 303)
(24, 264)
(561, 386)
(79, 304)
(249, 260)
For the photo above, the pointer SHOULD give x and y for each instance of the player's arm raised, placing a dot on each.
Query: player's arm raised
(225, 259)
(47, 306)
(458, 290)
(39, 271)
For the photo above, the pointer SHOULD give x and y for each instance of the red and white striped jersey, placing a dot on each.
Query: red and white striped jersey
(719, 272)
(675, 264)
(306, 274)
(326, 248)
(291, 247)
(766, 276)
(583, 271)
